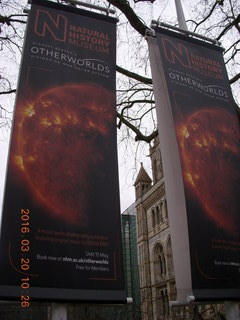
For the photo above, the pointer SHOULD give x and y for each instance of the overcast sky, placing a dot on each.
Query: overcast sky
(3, 159)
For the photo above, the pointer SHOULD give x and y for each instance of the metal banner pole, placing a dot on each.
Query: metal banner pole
(58, 311)
(180, 15)
(232, 310)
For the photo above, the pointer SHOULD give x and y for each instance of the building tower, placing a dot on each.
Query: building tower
(142, 183)
(157, 282)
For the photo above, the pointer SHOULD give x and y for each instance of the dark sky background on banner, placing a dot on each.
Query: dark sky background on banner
(62, 178)
(207, 130)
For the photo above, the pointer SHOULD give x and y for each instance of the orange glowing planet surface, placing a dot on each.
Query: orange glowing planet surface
(210, 152)
(62, 137)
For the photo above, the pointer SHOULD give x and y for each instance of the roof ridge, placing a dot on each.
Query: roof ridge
(142, 176)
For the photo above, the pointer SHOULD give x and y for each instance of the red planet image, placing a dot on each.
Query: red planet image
(63, 135)
(210, 152)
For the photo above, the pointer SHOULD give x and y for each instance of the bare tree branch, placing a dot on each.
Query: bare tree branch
(207, 16)
(139, 135)
(8, 20)
(8, 92)
(125, 8)
(235, 22)
(235, 78)
(134, 75)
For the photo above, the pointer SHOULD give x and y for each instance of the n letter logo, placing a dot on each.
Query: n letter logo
(176, 52)
(55, 25)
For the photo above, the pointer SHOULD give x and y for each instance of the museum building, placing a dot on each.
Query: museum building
(157, 282)
(155, 259)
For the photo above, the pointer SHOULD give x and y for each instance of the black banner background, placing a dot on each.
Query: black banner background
(61, 213)
(207, 131)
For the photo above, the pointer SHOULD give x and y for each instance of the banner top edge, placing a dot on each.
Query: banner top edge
(73, 9)
(188, 38)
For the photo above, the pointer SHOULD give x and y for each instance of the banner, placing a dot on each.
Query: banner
(60, 234)
(200, 143)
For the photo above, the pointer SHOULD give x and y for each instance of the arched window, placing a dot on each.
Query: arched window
(170, 269)
(153, 218)
(166, 302)
(165, 208)
(163, 303)
(141, 264)
(162, 210)
(137, 192)
(139, 222)
(163, 264)
(154, 171)
(159, 215)
(159, 263)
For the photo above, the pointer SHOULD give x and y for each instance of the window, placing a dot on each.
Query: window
(165, 208)
(155, 176)
(162, 264)
(170, 269)
(159, 215)
(159, 263)
(153, 218)
(162, 297)
(166, 302)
